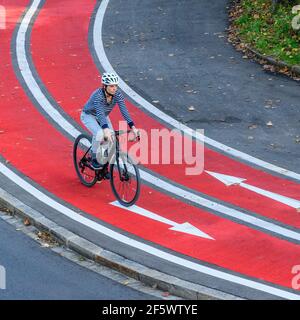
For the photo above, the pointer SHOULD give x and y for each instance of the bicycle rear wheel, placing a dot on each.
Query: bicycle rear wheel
(82, 159)
(125, 180)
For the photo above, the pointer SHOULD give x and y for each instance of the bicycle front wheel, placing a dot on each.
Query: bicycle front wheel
(82, 159)
(125, 180)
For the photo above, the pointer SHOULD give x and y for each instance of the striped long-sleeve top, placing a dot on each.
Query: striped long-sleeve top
(97, 105)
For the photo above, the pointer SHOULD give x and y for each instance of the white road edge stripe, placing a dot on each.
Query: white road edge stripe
(106, 231)
(138, 245)
(70, 129)
(28, 77)
(98, 44)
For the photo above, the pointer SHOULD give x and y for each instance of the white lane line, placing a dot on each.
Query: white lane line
(231, 180)
(220, 208)
(29, 78)
(138, 245)
(135, 244)
(185, 227)
(98, 45)
(70, 129)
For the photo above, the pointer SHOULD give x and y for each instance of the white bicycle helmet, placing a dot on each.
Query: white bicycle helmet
(110, 78)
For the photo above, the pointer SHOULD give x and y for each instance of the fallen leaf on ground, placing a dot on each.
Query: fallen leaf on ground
(26, 222)
(252, 126)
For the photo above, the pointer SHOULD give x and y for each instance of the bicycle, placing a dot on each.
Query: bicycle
(122, 169)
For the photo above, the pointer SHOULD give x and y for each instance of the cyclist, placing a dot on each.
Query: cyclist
(99, 105)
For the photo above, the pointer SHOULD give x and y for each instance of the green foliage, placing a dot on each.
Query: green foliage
(269, 31)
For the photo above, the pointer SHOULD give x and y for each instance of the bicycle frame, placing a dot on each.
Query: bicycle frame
(113, 161)
(99, 173)
(117, 134)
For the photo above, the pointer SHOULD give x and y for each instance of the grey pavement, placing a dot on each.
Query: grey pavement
(176, 52)
(36, 272)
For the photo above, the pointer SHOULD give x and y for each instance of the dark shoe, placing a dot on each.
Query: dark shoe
(96, 165)
(107, 175)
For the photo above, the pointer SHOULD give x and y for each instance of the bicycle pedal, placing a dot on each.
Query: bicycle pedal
(107, 176)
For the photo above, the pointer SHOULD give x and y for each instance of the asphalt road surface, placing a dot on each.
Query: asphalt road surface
(37, 273)
(176, 52)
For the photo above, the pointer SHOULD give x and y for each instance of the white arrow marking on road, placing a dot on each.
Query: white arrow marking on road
(230, 180)
(180, 227)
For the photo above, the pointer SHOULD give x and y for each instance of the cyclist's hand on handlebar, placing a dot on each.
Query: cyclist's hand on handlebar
(108, 135)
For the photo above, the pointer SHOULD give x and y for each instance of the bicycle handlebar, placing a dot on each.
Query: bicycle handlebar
(119, 132)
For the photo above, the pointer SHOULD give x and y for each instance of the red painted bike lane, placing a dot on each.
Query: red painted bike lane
(40, 152)
(66, 67)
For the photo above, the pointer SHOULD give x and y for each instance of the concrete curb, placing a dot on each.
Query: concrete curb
(295, 70)
(150, 277)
